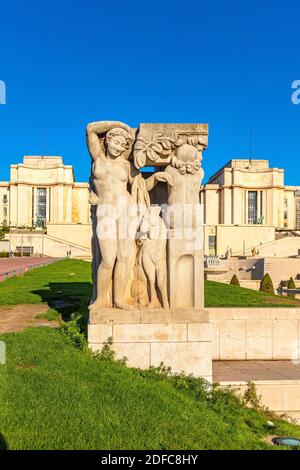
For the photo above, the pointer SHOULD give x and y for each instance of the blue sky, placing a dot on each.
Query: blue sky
(228, 63)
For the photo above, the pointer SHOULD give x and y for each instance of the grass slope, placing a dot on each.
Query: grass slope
(54, 396)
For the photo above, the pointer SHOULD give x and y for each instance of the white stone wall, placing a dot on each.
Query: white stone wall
(255, 333)
(78, 234)
(230, 236)
(43, 244)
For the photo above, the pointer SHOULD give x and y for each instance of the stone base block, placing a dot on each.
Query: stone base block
(182, 342)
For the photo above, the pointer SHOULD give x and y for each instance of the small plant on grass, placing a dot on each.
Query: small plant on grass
(72, 331)
(108, 354)
(234, 281)
(266, 285)
(199, 388)
(250, 396)
(252, 400)
(160, 372)
(291, 285)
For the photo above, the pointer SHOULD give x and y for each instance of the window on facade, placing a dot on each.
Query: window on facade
(49, 205)
(212, 245)
(5, 199)
(252, 207)
(4, 216)
(32, 208)
(25, 250)
(298, 214)
(41, 206)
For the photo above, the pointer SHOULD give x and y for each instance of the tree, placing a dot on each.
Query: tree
(234, 281)
(291, 285)
(266, 285)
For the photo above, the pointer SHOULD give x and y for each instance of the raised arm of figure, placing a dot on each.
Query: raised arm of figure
(95, 130)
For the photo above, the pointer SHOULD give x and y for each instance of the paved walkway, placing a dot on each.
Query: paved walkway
(234, 371)
(14, 266)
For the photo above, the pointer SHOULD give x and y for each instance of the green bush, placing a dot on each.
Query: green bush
(234, 281)
(3, 254)
(18, 254)
(291, 285)
(3, 231)
(266, 285)
(72, 330)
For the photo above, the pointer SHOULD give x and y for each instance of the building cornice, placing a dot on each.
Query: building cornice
(54, 167)
(292, 188)
(233, 186)
(239, 225)
(81, 185)
(25, 183)
(230, 169)
(38, 185)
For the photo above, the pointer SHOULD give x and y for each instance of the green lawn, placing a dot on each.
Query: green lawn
(54, 396)
(224, 295)
(67, 281)
(71, 280)
(65, 278)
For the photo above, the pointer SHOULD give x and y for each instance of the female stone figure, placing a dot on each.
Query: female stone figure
(109, 145)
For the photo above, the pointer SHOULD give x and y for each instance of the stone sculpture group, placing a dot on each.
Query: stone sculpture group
(148, 271)
(131, 236)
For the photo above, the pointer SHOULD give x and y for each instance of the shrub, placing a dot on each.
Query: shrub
(3, 254)
(266, 285)
(250, 396)
(234, 281)
(19, 254)
(73, 332)
(3, 231)
(291, 285)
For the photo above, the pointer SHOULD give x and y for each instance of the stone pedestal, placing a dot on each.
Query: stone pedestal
(180, 339)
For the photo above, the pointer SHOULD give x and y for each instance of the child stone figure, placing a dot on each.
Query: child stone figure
(187, 175)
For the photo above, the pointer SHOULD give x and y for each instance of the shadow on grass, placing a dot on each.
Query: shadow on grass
(68, 298)
(3, 443)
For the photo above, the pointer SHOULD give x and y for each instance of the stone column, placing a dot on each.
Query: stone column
(185, 270)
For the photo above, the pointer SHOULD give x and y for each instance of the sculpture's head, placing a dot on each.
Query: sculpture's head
(187, 153)
(187, 159)
(118, 140)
